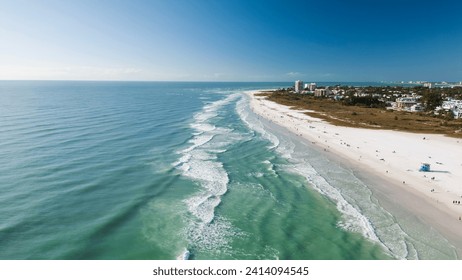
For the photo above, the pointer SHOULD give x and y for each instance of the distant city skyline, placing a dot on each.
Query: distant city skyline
(235, 40)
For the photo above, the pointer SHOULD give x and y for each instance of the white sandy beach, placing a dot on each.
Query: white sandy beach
(394, 158)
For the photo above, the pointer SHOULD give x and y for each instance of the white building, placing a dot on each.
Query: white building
(319, 92)
(310, 86)
(455, 106)
(405, 103)
(428, 85)
(416, 108)
(298, 86)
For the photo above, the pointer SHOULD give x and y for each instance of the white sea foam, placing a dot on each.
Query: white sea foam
(199, 162)
(183, 159)
(354, 220)
(203, 127)
(185, 254)
(256, 174)
(286, 148)
(270, 167)
(253, 123)
(202, 206)
(213, 237)
(209, 173)
(198, 141)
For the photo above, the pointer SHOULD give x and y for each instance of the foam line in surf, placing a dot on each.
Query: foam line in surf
(199, 162)
(355, 220)
(184, 255)
(253, 123)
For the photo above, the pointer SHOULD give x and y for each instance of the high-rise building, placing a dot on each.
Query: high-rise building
(298, 86)
(312, 86)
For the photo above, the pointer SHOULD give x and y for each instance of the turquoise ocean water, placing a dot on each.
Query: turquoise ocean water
(139, 170)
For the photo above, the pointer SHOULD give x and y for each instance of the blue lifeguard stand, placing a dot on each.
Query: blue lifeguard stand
(425, 167)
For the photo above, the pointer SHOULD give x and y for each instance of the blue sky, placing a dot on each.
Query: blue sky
(235, 40)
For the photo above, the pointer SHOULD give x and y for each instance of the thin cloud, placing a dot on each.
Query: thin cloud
(294, 74)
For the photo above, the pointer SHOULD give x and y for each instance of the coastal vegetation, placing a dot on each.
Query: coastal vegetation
(369, 110)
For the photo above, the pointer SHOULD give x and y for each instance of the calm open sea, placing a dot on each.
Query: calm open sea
(141, 170)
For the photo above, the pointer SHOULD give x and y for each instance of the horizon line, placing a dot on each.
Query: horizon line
(208, 81)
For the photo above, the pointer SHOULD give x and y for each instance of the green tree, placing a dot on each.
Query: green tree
(432, 99)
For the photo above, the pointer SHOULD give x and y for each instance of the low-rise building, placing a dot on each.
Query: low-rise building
(417, 108)
(453, 105)
(405, 103)
(320, 92)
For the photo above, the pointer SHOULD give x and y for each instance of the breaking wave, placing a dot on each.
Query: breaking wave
(199, 162)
